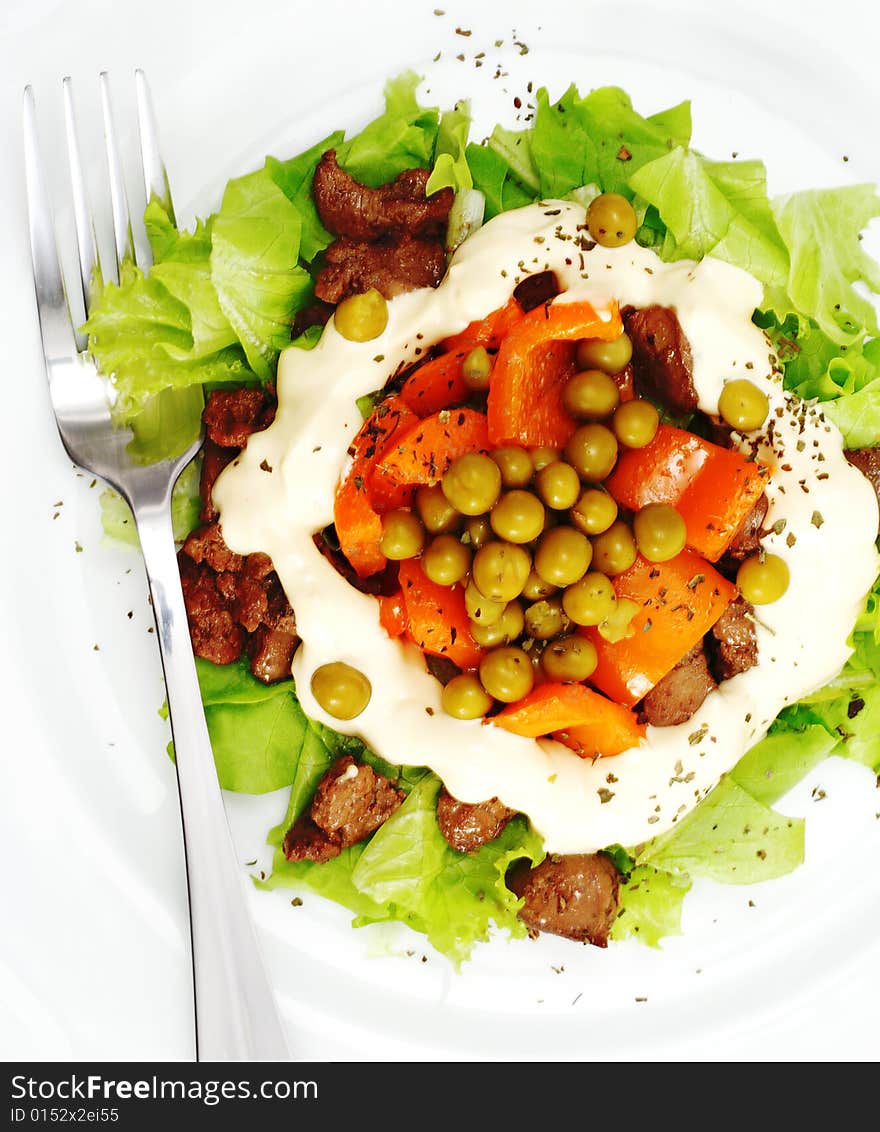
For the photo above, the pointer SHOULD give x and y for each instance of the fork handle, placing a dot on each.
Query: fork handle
(235, 1011)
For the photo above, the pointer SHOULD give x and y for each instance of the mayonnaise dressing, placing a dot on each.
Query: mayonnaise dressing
(823, 513)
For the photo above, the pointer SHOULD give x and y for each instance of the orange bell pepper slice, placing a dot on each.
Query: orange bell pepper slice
(436, 617)
(392, 615)
(712, 488)
(680, 600)
(360, 496)
(576, 715)
(436, 384)
(487, 332)
(534, 361)
(422, 453)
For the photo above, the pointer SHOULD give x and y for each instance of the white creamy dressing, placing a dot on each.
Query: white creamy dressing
(577, 805)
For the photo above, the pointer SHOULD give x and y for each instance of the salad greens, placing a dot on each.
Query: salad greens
(217, 308)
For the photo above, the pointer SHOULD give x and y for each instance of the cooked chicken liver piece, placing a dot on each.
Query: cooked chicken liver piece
(232, 415)
(661, 357)
(351, 802)
(348, 208)
(572, 896)
(676, 697)
(392, 266)
(732, 644)
(215, 634)
(468, 825)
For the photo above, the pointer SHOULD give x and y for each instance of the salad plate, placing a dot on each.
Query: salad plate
(96, 963)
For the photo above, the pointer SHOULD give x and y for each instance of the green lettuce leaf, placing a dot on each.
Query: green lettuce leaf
(650, 905)
(723, 217)
(407, 872)
(255, 240)
(821, 229)
(260, 735)
(401, 138)
(730, 837)
(451, 169)
(294, 178)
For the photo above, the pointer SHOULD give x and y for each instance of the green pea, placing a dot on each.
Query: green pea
(558, 485)
(342, 691)
(546, 619)
(594, 511)
(500, 569)
(591, 600)
(515, 465)
(360, 318)
(464, 697)
(591, 395)
(635, 423)
(611, 220)
(563, 556)
(518, 516)
(506, 674)
(592, 452)
(482, 610)
(614, 550)
(436, 512)
(446, 561)
(610, 357)
(472, 484)
(763, 578)
(743, 405)
(506, 629)
(660, 532)
(572, 658)
(403, 536)
(476, 369)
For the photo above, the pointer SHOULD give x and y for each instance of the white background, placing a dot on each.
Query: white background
(93, 950)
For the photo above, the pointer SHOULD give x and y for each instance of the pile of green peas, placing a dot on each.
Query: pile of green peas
(531, 533)
(534, 539)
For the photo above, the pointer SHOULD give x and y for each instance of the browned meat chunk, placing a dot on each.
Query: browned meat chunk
(304, 841)
(315, 314)
(573, 896)
(662, 357)
(350, 803)
(733, 644)
(352, 800)
(393, 265)
(535, 290)
(234, 602)
(231, 416)
(214, 632)
(271, 652)
(748, 538)
(676, 697)
(867, 460)
(214, 460)
(468, 825)
(348, 208)
(206, 545)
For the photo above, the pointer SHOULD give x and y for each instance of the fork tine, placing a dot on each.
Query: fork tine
(122, 233)
(87, 244)
(56, 327)
(155, 175)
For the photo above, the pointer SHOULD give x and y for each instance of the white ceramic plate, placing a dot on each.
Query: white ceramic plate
(93, 956)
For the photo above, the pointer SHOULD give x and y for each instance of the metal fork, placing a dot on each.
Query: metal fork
(236, 1018)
